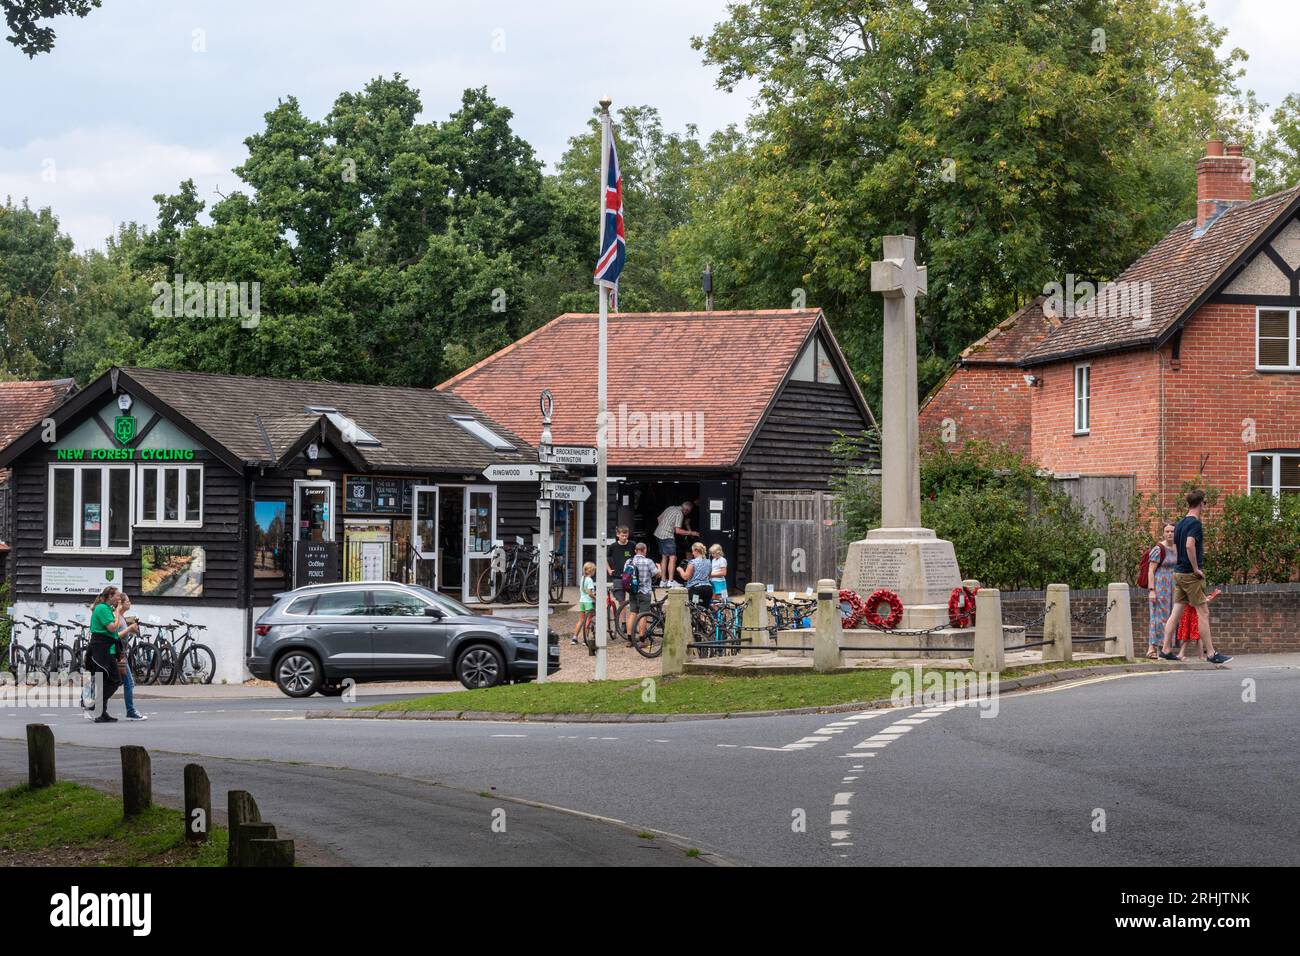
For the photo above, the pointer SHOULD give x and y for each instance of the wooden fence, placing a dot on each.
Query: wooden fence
(798, 538)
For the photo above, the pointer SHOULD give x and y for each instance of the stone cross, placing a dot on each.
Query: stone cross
(899, 279)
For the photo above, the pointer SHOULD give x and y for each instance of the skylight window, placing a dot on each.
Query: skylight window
(480, 431)
(352, 432)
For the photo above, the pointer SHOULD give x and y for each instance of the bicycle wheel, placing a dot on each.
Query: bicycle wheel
(143, 661)
(60, 659)
(648, 634)
(38, 656)
(619, 613)
(197, 665)
(531, 591)
(19, 665)
(488, 588)
(166, 664)
(589, 637)
(557, 584)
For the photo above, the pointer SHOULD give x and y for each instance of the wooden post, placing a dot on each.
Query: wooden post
(1119, 622)
(990, 648)
(241, 809)
(826, 637)
(247, 833)
(263, 852)
(754, 620)
(198, 804)
(137, 781)
(677, 632)
(40, 756)
(1056, 625)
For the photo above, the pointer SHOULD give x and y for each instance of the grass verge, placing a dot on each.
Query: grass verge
(689, 694)
(72, 825)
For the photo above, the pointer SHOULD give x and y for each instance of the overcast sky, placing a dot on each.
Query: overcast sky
(125, 107)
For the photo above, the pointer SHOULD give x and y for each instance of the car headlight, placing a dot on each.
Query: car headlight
(522, 635)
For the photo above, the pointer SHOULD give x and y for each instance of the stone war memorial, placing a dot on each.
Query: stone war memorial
(902, 556)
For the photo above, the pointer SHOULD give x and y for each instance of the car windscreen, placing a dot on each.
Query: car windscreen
(449, 605)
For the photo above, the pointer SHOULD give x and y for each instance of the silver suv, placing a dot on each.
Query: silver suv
(316, 638)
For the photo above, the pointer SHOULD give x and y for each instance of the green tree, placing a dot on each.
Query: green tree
(24, 18)
(1018, 140)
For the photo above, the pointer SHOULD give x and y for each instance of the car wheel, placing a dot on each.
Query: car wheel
(480, 666)
(298, 674)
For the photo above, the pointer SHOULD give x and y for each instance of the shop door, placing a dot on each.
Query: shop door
(717, 519)
(314, 551)
(423, 558)
(480, 534)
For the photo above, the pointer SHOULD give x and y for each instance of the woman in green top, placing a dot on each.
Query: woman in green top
(105, 623)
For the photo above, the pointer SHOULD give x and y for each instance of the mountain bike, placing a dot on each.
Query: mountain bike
(647, 633)
(195, 662)
(510, 576)
(38, 652)
(17, 661)
(152, 657)
(65, 657)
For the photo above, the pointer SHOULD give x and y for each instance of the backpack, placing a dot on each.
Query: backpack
(1144, 566)
(629, 577)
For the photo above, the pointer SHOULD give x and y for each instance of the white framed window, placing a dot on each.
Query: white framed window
(1082, 399)
(89, 508)
(170, 496)
(815, 364)
(1275, 339)
(1274, 472)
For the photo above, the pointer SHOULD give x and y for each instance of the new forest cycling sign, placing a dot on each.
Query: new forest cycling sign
(124, 454)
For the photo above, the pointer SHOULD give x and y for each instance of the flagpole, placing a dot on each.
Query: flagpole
(602, 421)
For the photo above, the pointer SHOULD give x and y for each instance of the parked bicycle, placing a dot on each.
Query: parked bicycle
(17, 660)
(67, 658)
(511, 575)
(195, 662)
(38, 652)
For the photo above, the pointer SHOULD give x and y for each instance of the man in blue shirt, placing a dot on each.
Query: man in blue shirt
(1189, 581)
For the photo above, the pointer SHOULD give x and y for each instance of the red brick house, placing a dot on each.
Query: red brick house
(1187, 366)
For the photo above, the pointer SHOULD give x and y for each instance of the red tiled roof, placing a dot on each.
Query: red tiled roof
(727, 365)
(1180, 268)
(23, 404)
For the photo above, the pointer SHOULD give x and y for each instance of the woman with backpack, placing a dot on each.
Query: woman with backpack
(1158, 568)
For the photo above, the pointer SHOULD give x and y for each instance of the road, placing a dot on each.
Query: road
(1166, 769)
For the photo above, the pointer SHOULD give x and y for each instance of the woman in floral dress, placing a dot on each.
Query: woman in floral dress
(1160, 592)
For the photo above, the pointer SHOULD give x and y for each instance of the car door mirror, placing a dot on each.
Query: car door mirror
(434, 613)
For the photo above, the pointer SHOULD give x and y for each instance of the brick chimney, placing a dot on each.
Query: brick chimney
(1222, 180)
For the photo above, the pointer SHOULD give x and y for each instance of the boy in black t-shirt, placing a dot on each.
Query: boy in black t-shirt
(618, 555)
(1189, 581)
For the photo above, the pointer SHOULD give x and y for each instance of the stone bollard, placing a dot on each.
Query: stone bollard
(754, 620)
(270, 852)
(1119, 622)
(40, 756)
(677, 632)
(990, 652)
(241, 809)
(248, 832)
(826, 638)
(137, 781)
(1056, 626)
(198, 804)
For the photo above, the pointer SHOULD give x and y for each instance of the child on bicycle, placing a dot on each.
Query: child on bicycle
(586, 602)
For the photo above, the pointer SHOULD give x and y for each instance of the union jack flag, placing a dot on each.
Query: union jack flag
(613, 249)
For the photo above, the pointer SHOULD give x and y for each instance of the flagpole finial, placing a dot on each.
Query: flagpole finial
(605, 102)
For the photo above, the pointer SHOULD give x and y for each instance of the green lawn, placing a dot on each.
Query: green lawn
(71, 825)
(693, 694)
